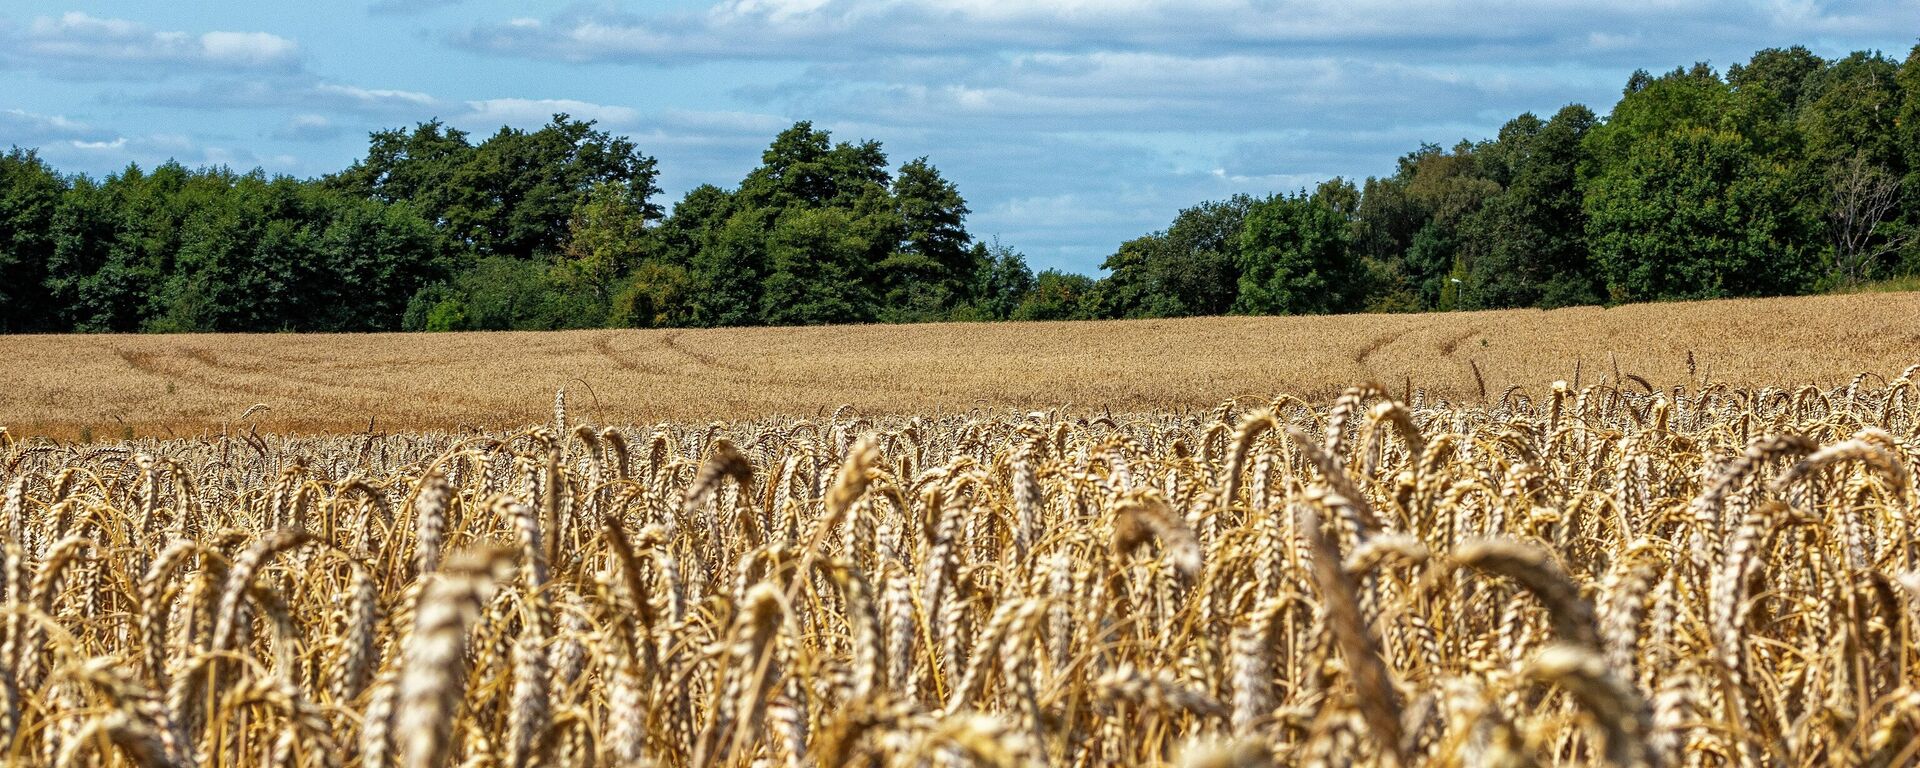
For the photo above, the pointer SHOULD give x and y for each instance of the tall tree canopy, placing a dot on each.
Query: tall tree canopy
(1788, 174)
(30, 194)
(1293, 259)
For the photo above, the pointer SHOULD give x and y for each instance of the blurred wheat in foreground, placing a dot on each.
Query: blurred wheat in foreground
(1555, 577)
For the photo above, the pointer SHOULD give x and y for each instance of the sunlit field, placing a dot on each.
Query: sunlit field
(113, 387)
(1615, 572)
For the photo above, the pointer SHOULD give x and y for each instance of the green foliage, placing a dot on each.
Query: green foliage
(822, 233)
(1907, 120)
(1388, 289)
(447, 315)
(819, 260)
(654, 296)
(701, 213)
(1852, 108)
(1407, 229)
(415, 167)
(1691, 214)
(932, 217)
(374, 257)
(1294, 260)
(516, 193)
(1056, 295)
(1681, 100)
(607, 239)
(115, 242)
(804, 168)
(498, 293)
(1907, 136)
(1000, 281)
(280, 255)
(1526, 244)
(510, 195)
(30, 193)
(728, 269)
(1190, 269)
(1792, 173)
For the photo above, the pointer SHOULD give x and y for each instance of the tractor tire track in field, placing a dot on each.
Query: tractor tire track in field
(214, 363)
(218, 375)
(700, 365)
(149, 363)
(1453, 342)
(732, 373)
(603, 346)
(670, 342)
(1373, 346)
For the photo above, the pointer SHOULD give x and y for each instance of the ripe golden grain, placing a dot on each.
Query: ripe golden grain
(1610, 575)
(66, 386)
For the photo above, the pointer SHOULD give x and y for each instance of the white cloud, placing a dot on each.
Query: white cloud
(727, 122)
(26, 129)
(1171, 93)
(853, 30)
(80, 146)
(300, 91)
(19, 118)
(523, 113)
(400, 7)
(247, 49)
(308, 127)
(373, 96)
(76, 44)
(1069, 125)
(168, 142)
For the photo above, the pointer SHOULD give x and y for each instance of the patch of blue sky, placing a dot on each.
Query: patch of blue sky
(1071, 126)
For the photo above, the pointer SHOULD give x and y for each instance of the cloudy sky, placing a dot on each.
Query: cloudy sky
(1069, 125)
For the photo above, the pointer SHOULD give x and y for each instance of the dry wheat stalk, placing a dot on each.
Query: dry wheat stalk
(1419, 582)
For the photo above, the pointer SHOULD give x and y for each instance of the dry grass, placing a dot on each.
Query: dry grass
(1594, 575)
(112, 386)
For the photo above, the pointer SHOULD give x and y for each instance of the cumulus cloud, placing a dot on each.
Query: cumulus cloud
(76, 44)
(1162, 92)
(297, 91)
(1075, 124)
(247, 49)
(78, 146)
(404, 7)
(1070, 125)
(814, 30)
(308, 127)
(28, 129)
(373, 96)
(532, 113)
(101, 146)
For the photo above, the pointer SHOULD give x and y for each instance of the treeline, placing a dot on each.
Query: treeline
(1789, 174)
(553, 228)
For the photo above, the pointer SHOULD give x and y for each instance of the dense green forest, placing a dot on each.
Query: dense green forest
(1786, 174)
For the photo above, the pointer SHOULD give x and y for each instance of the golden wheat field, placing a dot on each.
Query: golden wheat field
(108, 387)
(1557, 575)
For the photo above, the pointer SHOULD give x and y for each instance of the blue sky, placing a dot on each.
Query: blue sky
(1070, 126)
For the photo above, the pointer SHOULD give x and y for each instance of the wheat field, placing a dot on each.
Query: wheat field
(1554, 575)
(113, 387)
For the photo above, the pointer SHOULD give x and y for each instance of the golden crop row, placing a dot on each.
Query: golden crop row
(1664, 577)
